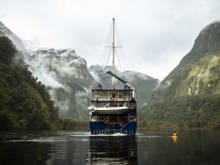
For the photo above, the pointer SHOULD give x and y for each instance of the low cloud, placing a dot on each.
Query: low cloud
(157, 34)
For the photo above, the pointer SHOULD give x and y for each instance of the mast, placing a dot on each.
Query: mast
(113, 52)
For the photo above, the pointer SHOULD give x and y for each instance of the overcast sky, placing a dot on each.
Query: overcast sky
(155, 34)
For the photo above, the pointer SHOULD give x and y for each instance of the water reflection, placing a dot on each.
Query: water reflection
(28, 153)
(196, 147)
(174, 137)
(70, 148)
(114, 149)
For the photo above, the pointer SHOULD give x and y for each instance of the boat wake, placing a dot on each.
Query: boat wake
(115, 134)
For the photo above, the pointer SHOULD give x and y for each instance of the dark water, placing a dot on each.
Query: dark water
(67, 148)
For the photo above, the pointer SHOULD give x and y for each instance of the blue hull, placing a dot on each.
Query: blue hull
(101, 128)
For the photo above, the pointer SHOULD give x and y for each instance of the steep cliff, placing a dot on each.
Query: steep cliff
(24, 102)
(188, 96)
(67, 79)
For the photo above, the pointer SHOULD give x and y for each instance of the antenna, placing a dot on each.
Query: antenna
(113, 52)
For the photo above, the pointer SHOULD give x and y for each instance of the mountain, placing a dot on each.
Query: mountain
(189, 96)
(4, 31)
(67, 79)
(143, 84)
(62, 72)
(24, 102)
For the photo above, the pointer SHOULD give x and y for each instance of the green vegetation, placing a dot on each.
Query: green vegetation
(188, 98)
(192, 99)
(184, 113)
(24, 102)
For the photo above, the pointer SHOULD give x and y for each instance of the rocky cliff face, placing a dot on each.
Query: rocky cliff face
(25, 104)
(187, 96)
(64, 74)
(67, 78)
(208, 40)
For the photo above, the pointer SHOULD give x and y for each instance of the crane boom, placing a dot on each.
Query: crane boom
(114, 75)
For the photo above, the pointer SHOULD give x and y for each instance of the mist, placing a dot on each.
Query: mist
(157, 34)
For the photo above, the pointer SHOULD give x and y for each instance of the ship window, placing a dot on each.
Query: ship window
(101, 117)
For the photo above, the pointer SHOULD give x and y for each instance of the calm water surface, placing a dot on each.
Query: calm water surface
(70, 148)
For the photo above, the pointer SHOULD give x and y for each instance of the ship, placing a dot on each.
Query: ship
(113, 110)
